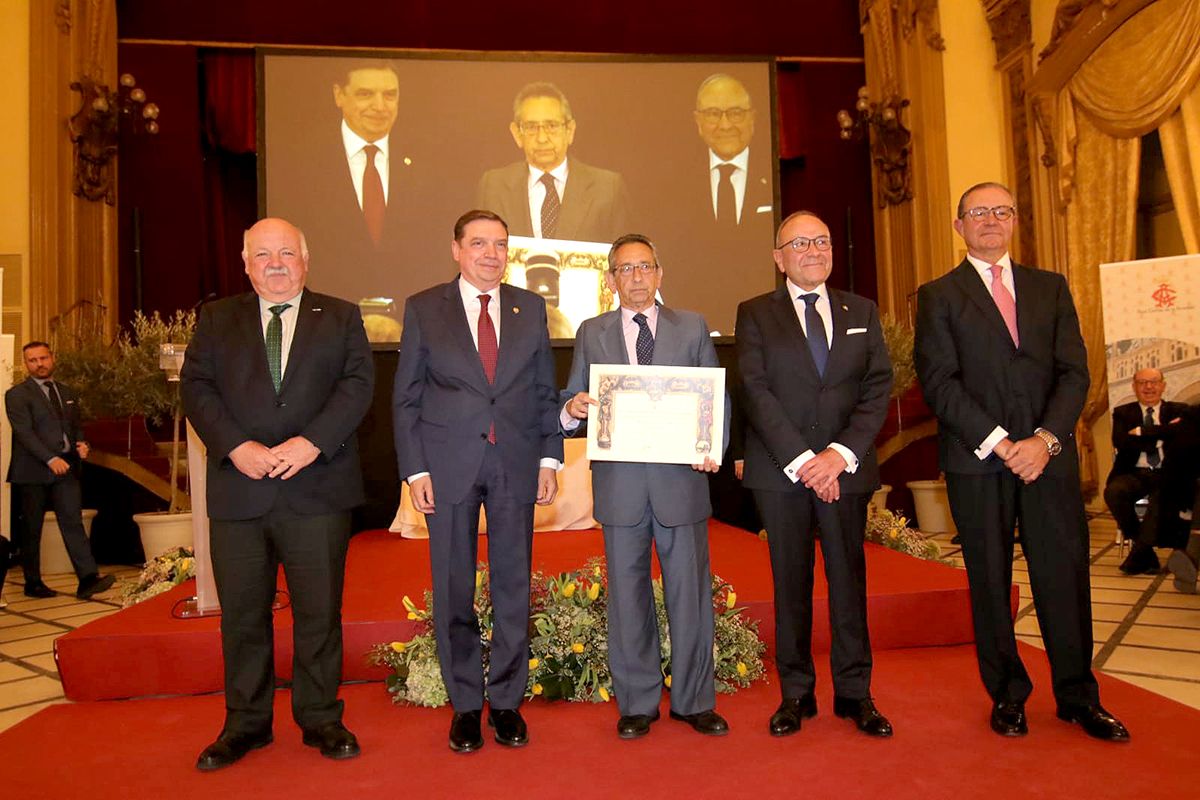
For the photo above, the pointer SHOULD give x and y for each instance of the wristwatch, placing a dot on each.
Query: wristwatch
(1052, 444)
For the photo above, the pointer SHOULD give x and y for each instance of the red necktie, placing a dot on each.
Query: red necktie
(373, 204)
(1005, 302)
(489, 352)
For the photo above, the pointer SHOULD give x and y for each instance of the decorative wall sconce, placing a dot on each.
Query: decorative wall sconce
(94, 130)
(889, 141)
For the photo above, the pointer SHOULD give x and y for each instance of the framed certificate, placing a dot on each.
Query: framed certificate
(656, 414)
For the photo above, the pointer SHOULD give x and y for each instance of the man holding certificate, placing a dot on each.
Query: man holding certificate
(642, 504)
(816, 377)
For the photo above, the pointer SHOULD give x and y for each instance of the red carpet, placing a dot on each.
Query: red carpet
(943, 748)
(142, 651)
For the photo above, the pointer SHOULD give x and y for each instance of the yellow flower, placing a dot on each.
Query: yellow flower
(593, 591)
(489, 634)
(412, 615)
(604, 694)
(763, 534)
(596, 571)
(537, 688)
(667, 681)
(478, 578)
(742, 670)
(577, 647)
(408, 603)
(893, 533)
(533, 663)
(568, 590)
(399, 647)
(730, 599)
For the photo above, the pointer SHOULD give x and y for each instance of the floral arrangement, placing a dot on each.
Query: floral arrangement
(891, 530)
(159, 575)
(568, 641)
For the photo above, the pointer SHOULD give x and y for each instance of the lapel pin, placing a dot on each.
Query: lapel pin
(407, 161)
(317, 308)
(516, 310)
(845, 308)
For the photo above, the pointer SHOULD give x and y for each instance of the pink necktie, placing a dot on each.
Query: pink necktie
(1004, 302)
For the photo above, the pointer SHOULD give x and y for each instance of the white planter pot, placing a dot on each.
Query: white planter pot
(879, 498)
(933, 507)
(54, 554)
(162, 532)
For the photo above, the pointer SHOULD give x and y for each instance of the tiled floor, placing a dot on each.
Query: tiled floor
(1146, 632)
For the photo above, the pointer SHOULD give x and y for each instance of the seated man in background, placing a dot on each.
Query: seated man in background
(1154, 458)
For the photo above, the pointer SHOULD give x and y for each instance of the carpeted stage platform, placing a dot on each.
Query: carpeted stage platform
(143, 651)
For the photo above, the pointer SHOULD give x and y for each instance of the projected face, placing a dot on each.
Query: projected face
(276, 259)
(725, 117)
(807, 268)
(482, 253)
(543, 132)
(369, 102)
(635, 286)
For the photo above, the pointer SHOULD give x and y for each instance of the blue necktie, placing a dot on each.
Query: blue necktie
(645, 342)
(815, 332)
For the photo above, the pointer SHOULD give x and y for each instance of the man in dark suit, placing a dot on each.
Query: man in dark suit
(640, 504)
(475, 414)
(1155, 457)
(549, 196)
(46, 452)
(1003, 366)
(276, 382)
(361, 194)
(816, 377)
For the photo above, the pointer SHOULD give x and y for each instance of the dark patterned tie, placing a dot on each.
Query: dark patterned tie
(645, 342)
(814, 331)
(59, 411)
(373, 204)
(726, 199)
(275, 344)
(550, 207)
(1152, 456)
(489, 352)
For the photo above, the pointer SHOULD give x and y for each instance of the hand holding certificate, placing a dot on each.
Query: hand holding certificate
(656, 414)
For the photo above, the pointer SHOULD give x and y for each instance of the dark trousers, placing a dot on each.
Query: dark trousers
(791, 520)
(634, 653)
(453, 552)
(65, 498)
(1121, 495)
(246, 555)
(1054, 539)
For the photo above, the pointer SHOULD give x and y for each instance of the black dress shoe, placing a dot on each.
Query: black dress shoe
(229, 748)
(93, 584)
(510, 727)
(633, 726)
(1096, 722)
(39, 590)
(864, 714)
(708, 722)
(333, 739)
(1184, 570)
(465, 735)
(1008, 719)
(786, 720)
(1141, 561)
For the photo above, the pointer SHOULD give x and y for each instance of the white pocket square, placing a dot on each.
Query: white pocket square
(852, 331)
(763, 210)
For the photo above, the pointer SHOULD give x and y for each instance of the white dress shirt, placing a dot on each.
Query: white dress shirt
(356, 158)
(738, 178)
(984, 269)
(792, 469)
(629, 330)
(537, 193)
(288, 318)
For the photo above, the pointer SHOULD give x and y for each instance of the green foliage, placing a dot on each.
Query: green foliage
(898, 337)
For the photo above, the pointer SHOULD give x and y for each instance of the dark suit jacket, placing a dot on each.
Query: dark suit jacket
(37, 431)
(790, 408)
(326, 390)
(318, 197)
(621, 490)
(1176, 438)
(595, 203)
(975, 379)
(443, 405)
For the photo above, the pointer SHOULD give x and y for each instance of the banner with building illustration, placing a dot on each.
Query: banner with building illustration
(1152, 319)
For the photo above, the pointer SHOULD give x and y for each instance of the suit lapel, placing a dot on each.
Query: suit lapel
(785, 313)
(250, 325)
(460, 330)
(514, 321)
(666, 338)
(612, 339)
(1027, 301)
(970, 283)
(576, 199)
(518, 188)
(306, 323)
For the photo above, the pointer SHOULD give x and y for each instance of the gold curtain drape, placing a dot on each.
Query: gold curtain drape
(1133, 83)
(1180, 136)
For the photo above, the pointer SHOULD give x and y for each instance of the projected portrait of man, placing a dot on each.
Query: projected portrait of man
(548, 195)
(739, 194)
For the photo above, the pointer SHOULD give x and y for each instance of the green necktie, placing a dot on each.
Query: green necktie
(275, 344)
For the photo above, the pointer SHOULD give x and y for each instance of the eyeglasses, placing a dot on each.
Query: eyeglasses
(713, 115)
(1147, 382)
(550, 127)
(626, 270)
(801, 243)
(980, 213)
